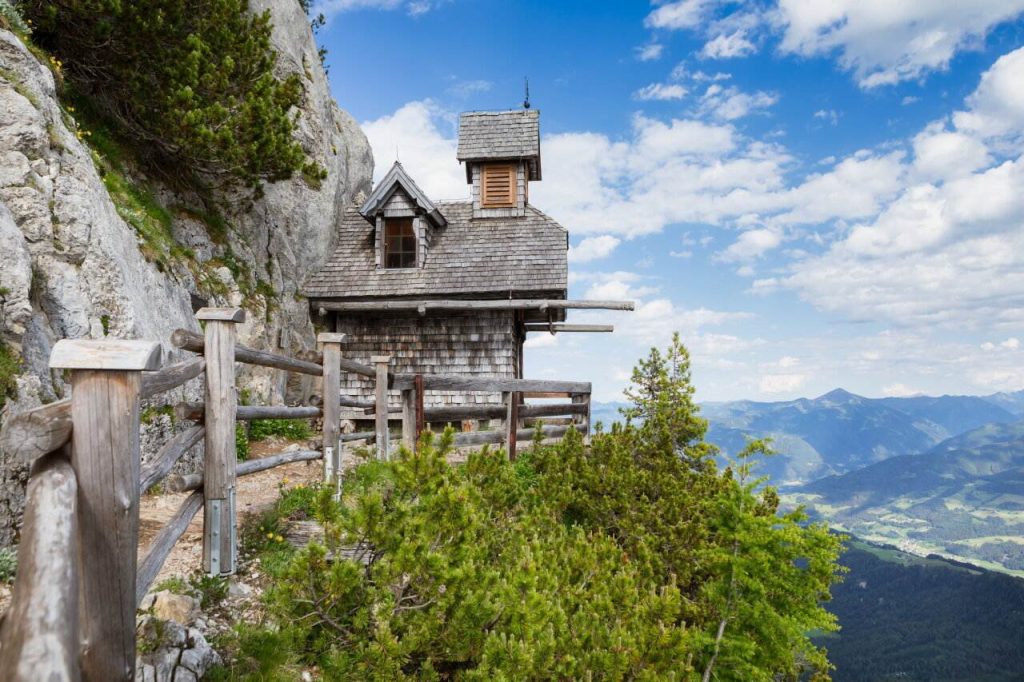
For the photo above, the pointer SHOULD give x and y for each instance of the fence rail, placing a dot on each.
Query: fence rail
(72, 614)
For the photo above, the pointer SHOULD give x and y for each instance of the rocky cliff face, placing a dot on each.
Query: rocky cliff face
(72, 265)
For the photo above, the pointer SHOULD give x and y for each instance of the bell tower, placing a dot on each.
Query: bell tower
(501, 150)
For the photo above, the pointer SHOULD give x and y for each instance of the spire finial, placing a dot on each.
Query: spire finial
(526, 100)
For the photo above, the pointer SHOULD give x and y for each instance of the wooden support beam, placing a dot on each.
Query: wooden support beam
(40, 632)
(440, 382)
(164, 542)
(197, 411)
(485, 304)
(220, 457)
(421, 420)
(511, 423)
(169, 454)
(105, 457)
(190, 341)
(558, 327)
(32, 434)
(179, 483)
(409, 418)
(547, 431)
(471, 438)
(381, 363)
(331, 383)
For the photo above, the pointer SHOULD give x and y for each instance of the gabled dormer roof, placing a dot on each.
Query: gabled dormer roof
(501, 135)
(397, 179)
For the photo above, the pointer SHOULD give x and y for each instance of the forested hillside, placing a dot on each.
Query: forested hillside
(924, 620)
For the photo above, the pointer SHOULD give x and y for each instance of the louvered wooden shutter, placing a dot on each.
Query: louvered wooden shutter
(498, 188)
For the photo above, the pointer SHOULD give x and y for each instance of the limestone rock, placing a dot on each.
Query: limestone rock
(73, 267)
(180, 608)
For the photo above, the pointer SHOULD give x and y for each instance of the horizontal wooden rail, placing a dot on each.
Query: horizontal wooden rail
(470, 438)
(32, 434)
(457, 413)
(368, 436)
(346, 364)
(441, 382)
(164, 542)
(39, 633)
(560, 327)
(361, 404)
(182, 483)
(191, 341)
(169, 454)
(196, 411)
(424, 305)
(547, 431)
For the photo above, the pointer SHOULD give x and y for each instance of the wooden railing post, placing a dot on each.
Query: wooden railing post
(409, 428)
(381, 362)
(332, 406)
(105, 384)
(219, 533)
(511, 400)
(582, 420)
(421, 417)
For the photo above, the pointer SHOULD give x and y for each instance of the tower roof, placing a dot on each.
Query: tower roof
(501, 135)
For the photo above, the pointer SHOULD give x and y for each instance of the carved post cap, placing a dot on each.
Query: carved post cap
(221, 314)
(330, 337)
(380, 358)
(112, 354)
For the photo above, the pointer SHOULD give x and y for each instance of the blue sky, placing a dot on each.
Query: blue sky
(814, 193)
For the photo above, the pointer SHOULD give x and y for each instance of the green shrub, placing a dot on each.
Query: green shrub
(8, 564)
(241, 443)
(292, 429)
(210, 589)
(191, 83)
(633, 558)
(10, 367)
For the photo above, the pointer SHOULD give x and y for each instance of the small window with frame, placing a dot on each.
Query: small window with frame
(399, 243)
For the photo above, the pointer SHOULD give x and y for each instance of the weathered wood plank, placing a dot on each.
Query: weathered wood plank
(221, 314)
(171, 376)
(169, 454)
(548, 431)
(111, 354)
(32, 434)
(105, 457)
(191, 341)
(511, 423)
(39, 634)
(469, 438)
(331, 386)
(219, 457)
(440, 382)
(486, 304)
(42, 430)
(381, 391)
(458, 412)
(561, 327)
(179, 483)
(409, 418)
(163, 543)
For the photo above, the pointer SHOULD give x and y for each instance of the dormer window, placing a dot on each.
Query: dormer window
(399, 243)
(498, 188)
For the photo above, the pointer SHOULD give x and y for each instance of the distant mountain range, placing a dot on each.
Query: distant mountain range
(963, 498)
(841, 431)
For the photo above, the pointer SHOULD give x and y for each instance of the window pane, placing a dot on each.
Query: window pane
(399, 243)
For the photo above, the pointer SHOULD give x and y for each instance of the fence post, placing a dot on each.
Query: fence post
(409, 418)
(511, 400)
(582, 419)
(332, 406)
(381, 361)
(105, 386)
(421, 418)
(219, 541)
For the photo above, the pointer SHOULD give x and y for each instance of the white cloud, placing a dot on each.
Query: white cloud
(940, 154)
(329, 8)
(728, 46)
(996, 108)
(772, 384)
(1012, 343)
(678, 15)
(899, 390)
(463, 89)
(649, 52)
(884, 42)
(593, 248)
(414, 135)
(660, 91)
(730, 103)
(751, 244)
(829, 115)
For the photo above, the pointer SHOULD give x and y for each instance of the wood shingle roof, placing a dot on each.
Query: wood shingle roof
(496, 135)
(489, 257)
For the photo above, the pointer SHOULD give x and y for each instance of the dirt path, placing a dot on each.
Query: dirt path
(254, 494)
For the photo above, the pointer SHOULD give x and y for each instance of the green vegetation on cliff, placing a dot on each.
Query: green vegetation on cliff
(191, 84)
(631, 558)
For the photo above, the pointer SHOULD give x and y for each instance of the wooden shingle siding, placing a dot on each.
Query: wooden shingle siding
(496, 135)
(478, 344)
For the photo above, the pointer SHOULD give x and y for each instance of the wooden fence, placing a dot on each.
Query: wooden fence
(72, 614)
